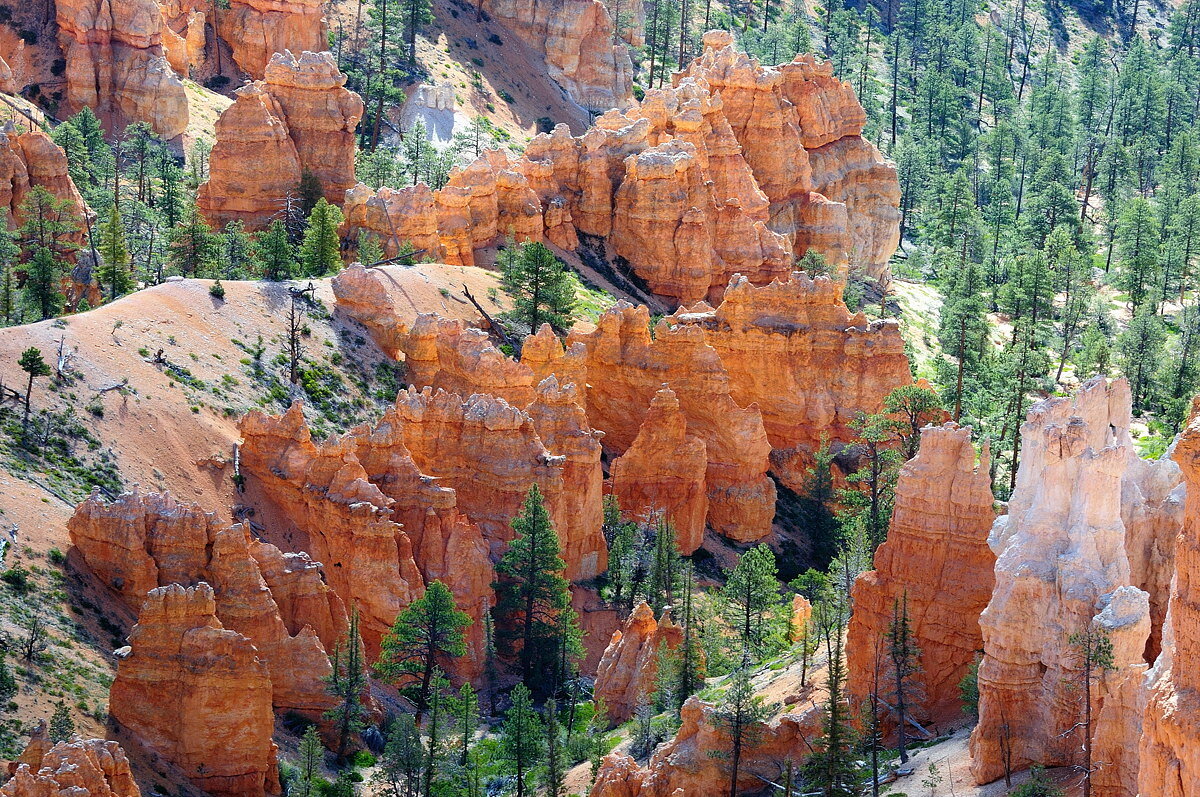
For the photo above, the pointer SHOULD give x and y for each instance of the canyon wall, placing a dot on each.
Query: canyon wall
(936, 564)
(577, 40)
(1060, 558)
(708, 178)
(794, 349)
(33, 159)
(197, 694)
(298, 119)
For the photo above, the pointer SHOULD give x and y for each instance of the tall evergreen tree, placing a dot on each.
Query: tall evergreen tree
(425, 636)
(321, 251)
(114, 256)
(740, 713)
(750, 592)
(346, 684)
(540, 286)
(522, 739)
(534, 597)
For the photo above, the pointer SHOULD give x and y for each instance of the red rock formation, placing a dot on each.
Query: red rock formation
(258, 29)
(362, 296)
(544, 354)
(810, 365)
(1170, 742)
(625, 369)
(325, 494)
(626, 676)
(140, 542)
(446, 354)
(446, 545)
(116, 65)
(32, 159)
(937, 562)
(576, 39)
(300, 592)
(197, 694)
(799, 128)
(562, 425)
(92, 767)
(799, 618)
(664, 470)
(693, 763)
(698, 182)
(489, 452)
(298, 118)
(1060, 550)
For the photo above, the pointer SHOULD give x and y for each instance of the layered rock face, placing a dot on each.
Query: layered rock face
(325, 493)
(92, 767)
(1060, 556)
(693, 763)
(794, 349)
(1170, 741)
(626, 676)
(936, 562)
(254, 30)
(664, 470)
(626, 368)
(117, 67)
(140, 542)
(700, 181)
(198, 694)
(576, 39)
(33, 159)
(299, 118)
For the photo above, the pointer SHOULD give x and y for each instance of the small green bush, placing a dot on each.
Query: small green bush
(217, 291)
(56, 556)
(17, 578)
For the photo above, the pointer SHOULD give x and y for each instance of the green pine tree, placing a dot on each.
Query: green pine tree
(62, 727)
(312, 756)
(275, 254)
(321, 251)
(533, 597)
(425, 636)
(114, 256)
(741, 714)
(522, 739)
(751, 591)
(541, 287)
(346, 683)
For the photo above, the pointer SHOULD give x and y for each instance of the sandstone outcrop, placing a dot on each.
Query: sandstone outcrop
(446, 354)
(115, 64)
(92, 767)
(626, 368)
(545, 356)
(258, 29)
(799, 618)
(794, 349)
(1169, 749)
(626, 676)
(800, 131)
(664, 470)
(936, 565)
(33, 159)
(576, 39)
(562, 424)
(692, 764)
(699, 181)
(1119, 696)
(325, 494)
(197, 694)
(299, 118)
(1060, 552)
(362, 296)
(140, 542)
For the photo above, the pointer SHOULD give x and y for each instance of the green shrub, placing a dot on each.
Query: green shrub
(217, 291)
(17, 578)
(56, 556)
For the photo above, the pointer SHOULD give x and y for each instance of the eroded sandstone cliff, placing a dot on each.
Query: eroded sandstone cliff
(1060, 557)
(197, 694)
(299, 118)
(626, 676)
(708, 178)
(936, 566)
